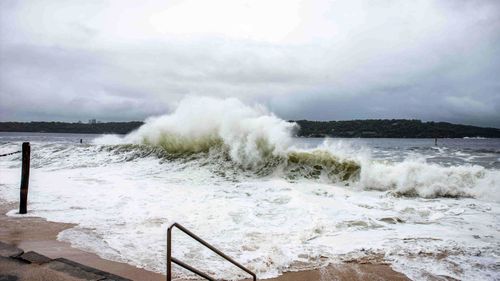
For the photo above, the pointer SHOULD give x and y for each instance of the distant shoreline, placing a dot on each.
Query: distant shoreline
(305, 137)
(385, 128)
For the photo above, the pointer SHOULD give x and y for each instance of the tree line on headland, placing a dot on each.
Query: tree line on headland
(392, 128)
(75, 128)
(387, 128)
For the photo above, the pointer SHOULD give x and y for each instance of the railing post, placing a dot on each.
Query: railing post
(169, 253)
(25, 175)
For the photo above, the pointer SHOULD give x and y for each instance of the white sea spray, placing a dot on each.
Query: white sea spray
(235, 175)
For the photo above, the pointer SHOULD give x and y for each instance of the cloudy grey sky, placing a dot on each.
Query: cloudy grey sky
(324, 60)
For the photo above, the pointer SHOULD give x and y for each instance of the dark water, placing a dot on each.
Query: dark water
(447, 152)
(46, 137)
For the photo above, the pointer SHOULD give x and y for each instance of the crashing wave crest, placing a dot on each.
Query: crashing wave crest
(234, 136)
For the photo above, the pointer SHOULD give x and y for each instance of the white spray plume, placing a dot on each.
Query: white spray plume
(250, 134)
(200, 122)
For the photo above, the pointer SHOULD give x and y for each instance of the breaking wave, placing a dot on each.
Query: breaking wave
(238, 140)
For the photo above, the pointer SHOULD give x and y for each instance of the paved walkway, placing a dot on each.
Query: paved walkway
(17, 265)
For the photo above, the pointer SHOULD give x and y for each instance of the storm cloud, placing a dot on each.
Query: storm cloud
(321, 60)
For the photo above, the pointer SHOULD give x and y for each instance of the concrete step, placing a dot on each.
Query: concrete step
(8, 251)
(20, 262)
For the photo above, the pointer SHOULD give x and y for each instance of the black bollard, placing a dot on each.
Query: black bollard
(25, 175)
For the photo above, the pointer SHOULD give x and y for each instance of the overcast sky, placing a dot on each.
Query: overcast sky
(322, 60)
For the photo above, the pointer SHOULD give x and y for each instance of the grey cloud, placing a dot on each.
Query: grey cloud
(427, 60)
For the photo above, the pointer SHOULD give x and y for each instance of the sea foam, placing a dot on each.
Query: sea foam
(235, 175)
(254, 139)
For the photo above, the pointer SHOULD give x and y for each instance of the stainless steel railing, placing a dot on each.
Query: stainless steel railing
(171, 259)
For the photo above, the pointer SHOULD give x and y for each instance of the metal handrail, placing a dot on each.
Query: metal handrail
(171, 259)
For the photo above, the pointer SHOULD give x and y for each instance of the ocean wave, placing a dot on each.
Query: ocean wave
(416, 177)
(237, 142)
(236, 139)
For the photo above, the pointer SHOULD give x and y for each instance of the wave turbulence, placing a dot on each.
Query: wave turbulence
(244, 138)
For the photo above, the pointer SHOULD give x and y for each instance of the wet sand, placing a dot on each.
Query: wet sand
(39, 235)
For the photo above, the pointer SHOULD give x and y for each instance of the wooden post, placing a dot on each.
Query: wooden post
(25, 175)
(169, 254)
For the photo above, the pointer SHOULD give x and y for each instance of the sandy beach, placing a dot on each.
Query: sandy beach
(39, 235)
